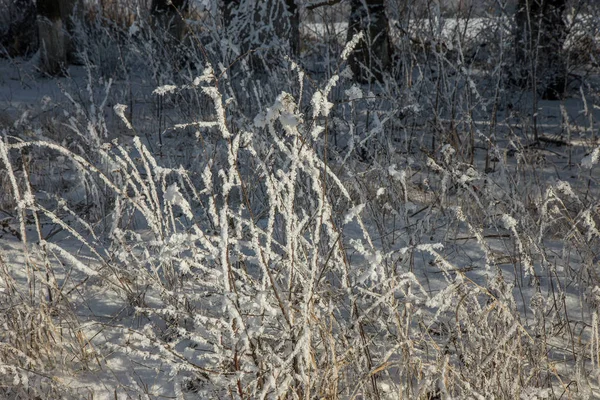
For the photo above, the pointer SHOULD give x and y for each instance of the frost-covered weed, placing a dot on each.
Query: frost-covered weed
(261, 278)
(261, 288)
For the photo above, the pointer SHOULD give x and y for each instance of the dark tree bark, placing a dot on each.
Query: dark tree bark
(20, 37)
(539, 38)
(228, 8)
(51, 37)
(168, 16)
(372, 56)
(294, 26)
(286, 23)
(70, 11)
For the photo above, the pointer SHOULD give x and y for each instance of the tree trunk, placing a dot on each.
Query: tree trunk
(168, 16)
(20, 39)
(228, 8)
(293, 26)
(70, 11)
(372, 56)
(539, 38)
(253, 15)
(51, 37)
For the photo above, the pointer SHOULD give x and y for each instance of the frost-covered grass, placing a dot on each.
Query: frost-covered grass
(209, 230)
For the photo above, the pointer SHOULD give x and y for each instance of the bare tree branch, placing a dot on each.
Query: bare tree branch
(317, 4)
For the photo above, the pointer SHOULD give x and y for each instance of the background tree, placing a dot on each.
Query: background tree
(373, 56)
(19, 36)
(53, 54)
(70, 12)
(228, 8)
(168, 16)
(254, 24)
(540, 35)
(293, 26)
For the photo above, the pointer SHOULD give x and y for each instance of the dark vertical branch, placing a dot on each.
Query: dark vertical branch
(168, 20)
(51, 37)
(49, 9)
(539, 38)
(247, 25)
(553, 39)
(168, 16)
(21, 36)
(227, 10)
(373, 56)
(70, 11)
(294, 26)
